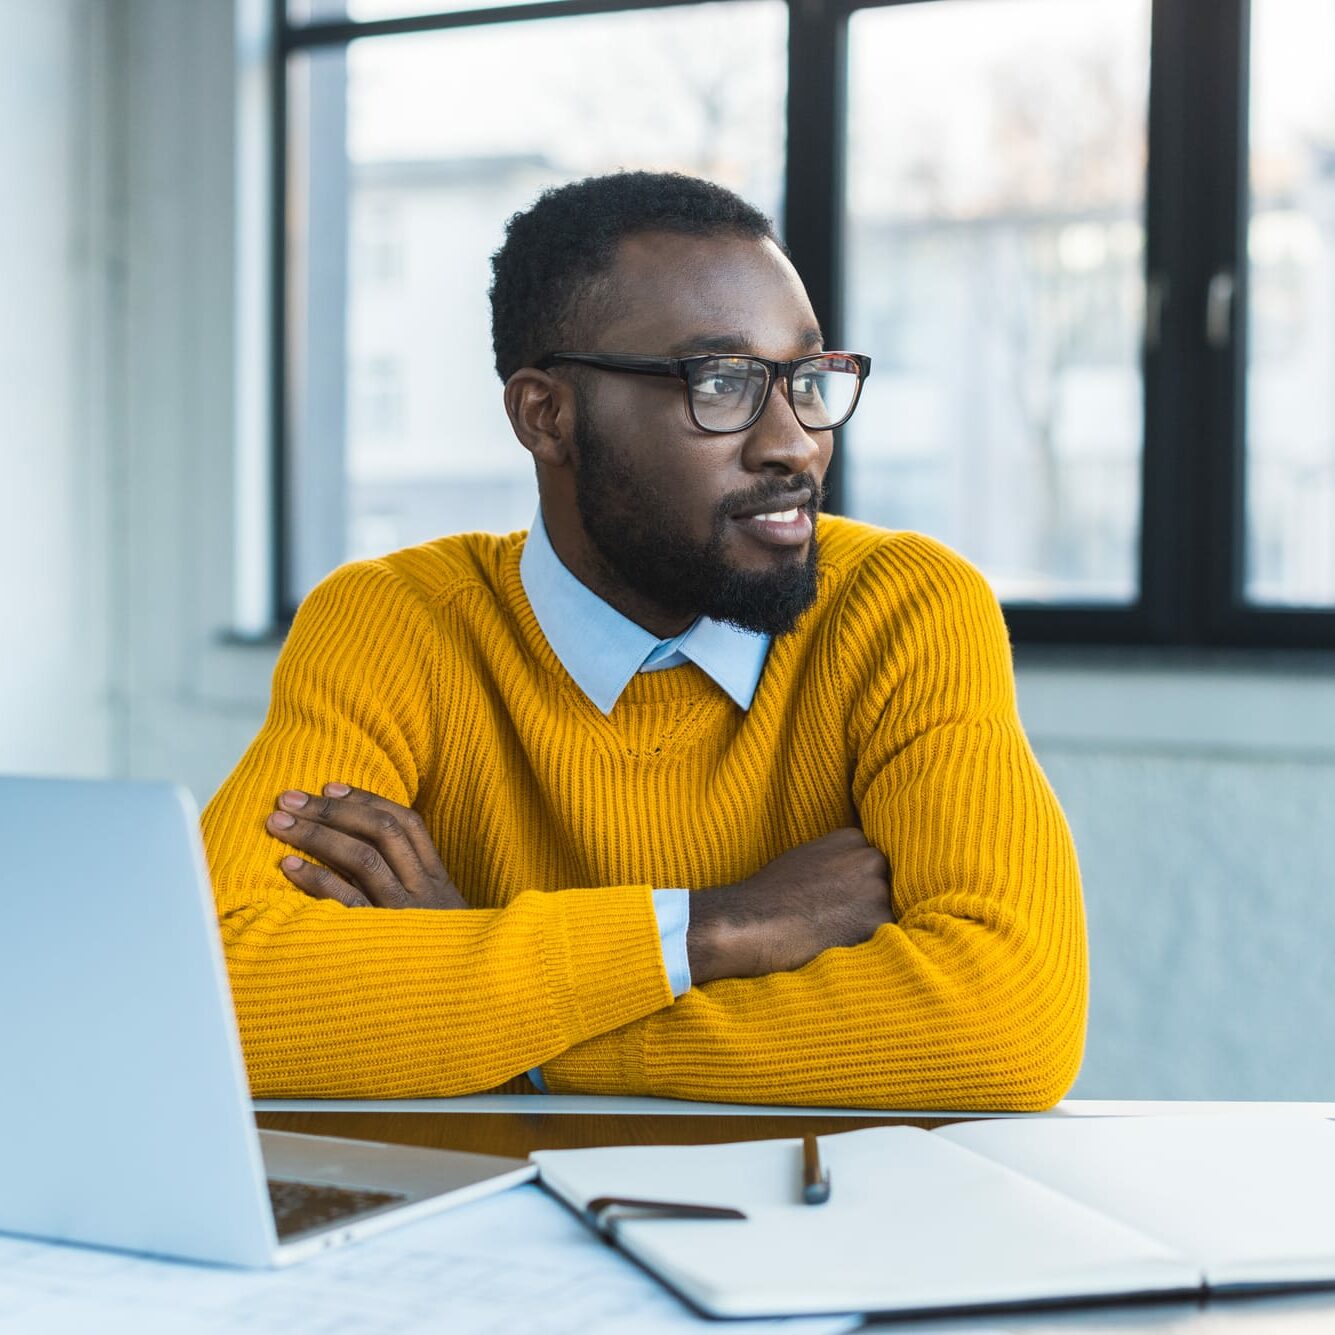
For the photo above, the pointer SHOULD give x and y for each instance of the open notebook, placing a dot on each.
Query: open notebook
(977, 1215)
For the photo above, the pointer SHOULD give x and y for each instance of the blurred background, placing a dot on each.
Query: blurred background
(1088, 244)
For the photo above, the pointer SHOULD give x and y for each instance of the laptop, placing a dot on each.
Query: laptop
(125, 1116)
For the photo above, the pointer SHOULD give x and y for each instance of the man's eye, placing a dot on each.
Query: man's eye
(721, 386)
(806, 387)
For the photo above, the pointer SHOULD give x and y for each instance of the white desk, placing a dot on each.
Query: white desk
(490, 1266)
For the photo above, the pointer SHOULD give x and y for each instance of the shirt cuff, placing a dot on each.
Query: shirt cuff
(673, 908)
(673, 911)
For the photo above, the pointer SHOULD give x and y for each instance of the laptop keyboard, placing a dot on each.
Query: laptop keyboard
(299, 1207)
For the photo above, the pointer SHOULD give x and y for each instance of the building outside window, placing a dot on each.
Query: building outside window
(1085, 378)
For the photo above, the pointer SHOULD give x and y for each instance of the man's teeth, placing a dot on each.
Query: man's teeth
(780, 516)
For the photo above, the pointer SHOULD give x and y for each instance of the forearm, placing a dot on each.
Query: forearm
(380, 1002)
(343, 1001)
(942, 1010)
(974, 997)
(340, 1002)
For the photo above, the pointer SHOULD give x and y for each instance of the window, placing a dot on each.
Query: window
(379, 415)
(423, 144)
(1088, 244)
(377, 228)
(995, 242)
(1290, 479)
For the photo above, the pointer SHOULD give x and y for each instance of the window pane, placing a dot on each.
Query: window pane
(1290, 475)
(395, 214)
(995, 272)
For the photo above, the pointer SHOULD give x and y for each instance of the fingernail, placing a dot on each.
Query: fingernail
(282, 820)
(290, 864)
(337, 790)
(292, 798)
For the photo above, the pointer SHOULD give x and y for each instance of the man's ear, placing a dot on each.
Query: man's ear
(541, 408)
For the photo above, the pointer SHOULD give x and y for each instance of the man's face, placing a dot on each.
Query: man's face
(660, 500)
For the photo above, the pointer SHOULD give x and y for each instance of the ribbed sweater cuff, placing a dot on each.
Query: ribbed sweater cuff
(608, 959)
(600, 1068)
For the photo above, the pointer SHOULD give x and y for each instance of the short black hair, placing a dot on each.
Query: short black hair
(546, 272)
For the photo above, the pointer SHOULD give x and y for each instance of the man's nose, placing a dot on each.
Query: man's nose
(779, 438)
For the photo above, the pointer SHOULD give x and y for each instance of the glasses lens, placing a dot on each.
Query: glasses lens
(824, 391)
(726, 392)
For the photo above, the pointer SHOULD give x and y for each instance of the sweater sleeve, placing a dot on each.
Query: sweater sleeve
(975, 996)
(335, 1001)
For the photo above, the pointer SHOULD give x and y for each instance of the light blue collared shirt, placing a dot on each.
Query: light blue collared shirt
(602, 650)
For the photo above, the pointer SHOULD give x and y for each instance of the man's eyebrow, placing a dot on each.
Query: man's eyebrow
(735, 343)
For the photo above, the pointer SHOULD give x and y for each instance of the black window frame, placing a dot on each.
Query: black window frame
(1193, 523)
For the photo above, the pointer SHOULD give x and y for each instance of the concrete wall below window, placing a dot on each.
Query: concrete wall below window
(1211, 908)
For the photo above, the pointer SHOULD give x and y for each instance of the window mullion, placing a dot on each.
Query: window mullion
(1218, 224)
(279, 422)
(1169, 521)
(813, 211)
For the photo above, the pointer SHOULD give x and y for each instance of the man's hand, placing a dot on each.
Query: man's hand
(376, 852)
(833, 891)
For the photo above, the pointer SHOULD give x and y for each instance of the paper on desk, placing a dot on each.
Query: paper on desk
(1247, 1197)
(513, 1262)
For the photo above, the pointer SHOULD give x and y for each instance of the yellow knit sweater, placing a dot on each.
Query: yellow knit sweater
(423, 676)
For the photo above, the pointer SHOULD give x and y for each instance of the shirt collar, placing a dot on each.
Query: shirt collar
(602, 650)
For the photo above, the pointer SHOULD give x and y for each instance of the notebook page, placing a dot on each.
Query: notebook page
(912, 1223)
(517, 1262)
(1251, 1198)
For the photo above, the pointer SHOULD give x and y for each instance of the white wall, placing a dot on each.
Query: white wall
(1202, 795)
(1212, 923)
(1203, 806)
(176, 334)
(55, 710)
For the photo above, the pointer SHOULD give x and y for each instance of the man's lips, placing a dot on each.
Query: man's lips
(778, 523)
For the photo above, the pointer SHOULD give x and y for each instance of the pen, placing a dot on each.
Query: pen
(815, 1175)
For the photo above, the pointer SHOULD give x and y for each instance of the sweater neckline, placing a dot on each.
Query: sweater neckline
(645, 689)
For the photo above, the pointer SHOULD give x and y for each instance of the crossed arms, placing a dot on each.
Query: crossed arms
(374, 853)
(810, 985)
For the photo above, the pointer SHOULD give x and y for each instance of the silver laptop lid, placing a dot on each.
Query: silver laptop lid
(125, 1119)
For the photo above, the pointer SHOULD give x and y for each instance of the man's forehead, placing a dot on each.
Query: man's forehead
(720, 339)
(722, 293)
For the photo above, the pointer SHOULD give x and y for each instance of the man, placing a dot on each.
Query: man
(689, 791)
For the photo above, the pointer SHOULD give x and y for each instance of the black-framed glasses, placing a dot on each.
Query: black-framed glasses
(727, 393)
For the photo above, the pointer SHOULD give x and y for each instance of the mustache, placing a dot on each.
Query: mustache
(776, 500)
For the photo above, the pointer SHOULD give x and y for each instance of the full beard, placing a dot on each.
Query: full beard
(630, 526)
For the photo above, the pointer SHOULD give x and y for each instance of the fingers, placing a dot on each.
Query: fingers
(397, 831)
(382, 827)
(382, 824)
(407, 823)
(854, 841)
(321, 883)
(849, 835)
(358, 863)
(401, 835)
(381, 848)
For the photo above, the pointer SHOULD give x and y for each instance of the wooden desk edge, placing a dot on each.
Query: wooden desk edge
(519, 1133)
(518, 1124)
